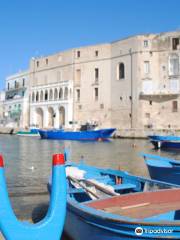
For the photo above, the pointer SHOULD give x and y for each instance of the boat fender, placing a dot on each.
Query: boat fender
(51, 226)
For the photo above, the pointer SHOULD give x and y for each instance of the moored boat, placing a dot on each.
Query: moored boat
(33, 132)
(105, 204)
(86, 135)
(163, 169)
(164, 142)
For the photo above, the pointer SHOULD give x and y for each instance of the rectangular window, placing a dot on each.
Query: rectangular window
(16, 84)
(96, 74)
(175, 43)
(147, 86)
(146, 67)
(8, 86)
(58, 76)
(147, 115)
(78, 95)
(174, 85)
(37, 63)
(101, 106)
(145, 43)
(78, 77)
(96, 53)
(174, 106)
(46, 61)
(173, 65)
(78, 54)
(23, 83)
(96, 94)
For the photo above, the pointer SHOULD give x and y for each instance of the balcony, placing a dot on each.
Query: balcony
(16, 88)
(170, 88)
(158, 92)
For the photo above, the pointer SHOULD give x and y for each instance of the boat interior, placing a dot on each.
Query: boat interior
(158, 205)
(126, 195)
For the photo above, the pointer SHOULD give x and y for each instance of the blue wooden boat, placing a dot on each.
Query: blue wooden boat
(163, 169)
(164, 142)
(100, 134)
(104, 204)
(32, 132)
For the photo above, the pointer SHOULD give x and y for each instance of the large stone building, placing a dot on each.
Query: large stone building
(129, 83)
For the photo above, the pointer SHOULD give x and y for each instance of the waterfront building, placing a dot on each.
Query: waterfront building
(16, 104)
(2, 98)
(132, 83)
(51, 91)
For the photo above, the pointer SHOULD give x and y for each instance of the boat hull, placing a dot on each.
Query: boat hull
(166, 144)
(163, 169)
(77, 135)
(80, 225)
(27, 134)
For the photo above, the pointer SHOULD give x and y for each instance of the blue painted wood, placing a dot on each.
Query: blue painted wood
(77, 135)
(87, 223)
(163, 169)
(50, 227)
(124, 186)
(164, 142)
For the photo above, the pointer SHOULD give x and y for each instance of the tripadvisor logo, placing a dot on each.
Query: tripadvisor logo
(138, 231)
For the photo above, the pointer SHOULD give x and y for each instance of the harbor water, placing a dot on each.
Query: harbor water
(28, 164)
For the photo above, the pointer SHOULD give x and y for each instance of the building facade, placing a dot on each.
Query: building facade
(2, 99)
(128, 84)
(51, 91)
(16, 104)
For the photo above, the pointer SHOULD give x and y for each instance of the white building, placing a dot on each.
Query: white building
(51, 91)
(16, 104)
(2, 99)
(51, 105)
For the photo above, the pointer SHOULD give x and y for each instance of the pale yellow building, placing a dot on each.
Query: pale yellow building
(132, 83)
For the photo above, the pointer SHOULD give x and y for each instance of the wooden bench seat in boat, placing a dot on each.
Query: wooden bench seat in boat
(140, 205)
(124, 186)
(75, 190)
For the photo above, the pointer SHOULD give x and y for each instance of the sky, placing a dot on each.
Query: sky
(42, 27)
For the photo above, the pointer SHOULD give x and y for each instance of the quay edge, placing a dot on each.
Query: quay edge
(143, 133)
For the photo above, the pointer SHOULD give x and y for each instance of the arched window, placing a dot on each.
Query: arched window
(33, 97)
(60, 93)
(66, 93)
(51, 94)
(55, 94)
(46, 95)
(37, 96)
(41, 96)
(120, 71)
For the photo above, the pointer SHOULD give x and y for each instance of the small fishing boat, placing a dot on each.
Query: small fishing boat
(163, 169)
(86, 135)
(104, 204)
(33, 132)
(164, 142)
